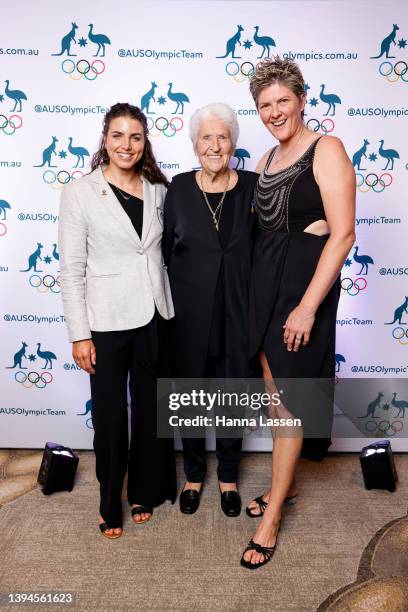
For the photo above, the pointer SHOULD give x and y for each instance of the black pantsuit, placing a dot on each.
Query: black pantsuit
(209, 274)
(149, 460)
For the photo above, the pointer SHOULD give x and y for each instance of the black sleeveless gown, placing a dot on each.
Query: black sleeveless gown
(285, 259)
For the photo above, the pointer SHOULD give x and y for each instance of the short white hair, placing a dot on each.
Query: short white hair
(218, 110)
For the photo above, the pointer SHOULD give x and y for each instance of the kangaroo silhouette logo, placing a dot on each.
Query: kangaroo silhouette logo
(18, 358)
(386, 44)
(48, 153)
(339, 359)
(232, 43)
(3, 207)
(17, 95)
(88, 411)
(162, 123)
(364, 260)
(399, 313)
(358, 155)
(146, 98)
(389, 155)
(401, 405)
(372, 406)
(66, 42)
(33, 258)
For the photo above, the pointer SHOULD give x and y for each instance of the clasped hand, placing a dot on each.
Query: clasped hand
(297, 328)
(84, 354)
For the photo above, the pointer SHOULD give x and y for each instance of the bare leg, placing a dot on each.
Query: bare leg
(286, 451)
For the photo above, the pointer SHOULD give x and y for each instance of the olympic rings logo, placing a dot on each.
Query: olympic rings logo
(240, 73)
(58, 179)
(384, 428)
(394, 72)
(400, 334)
(163, 126)
(373, 182)
(8, 125)
(46, 283)
(82, 68)
(353, 287)
(326, 126)
(33, 379)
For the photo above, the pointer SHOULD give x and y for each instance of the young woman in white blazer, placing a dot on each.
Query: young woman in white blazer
(116, 299)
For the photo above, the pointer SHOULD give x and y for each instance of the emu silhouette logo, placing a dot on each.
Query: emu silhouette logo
(339, 359)
(100, 40)
(262, 41)
(179, 98)
(51, 150)
(47, 356)
(364, 260)
(241, 155)
(3, 207)
(16, 95)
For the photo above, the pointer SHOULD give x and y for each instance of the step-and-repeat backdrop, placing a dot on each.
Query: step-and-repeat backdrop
(63, 66)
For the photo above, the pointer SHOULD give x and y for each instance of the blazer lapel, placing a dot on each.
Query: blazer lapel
(149, 207)
(113, 206)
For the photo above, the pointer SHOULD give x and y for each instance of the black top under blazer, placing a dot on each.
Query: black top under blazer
(193, 255)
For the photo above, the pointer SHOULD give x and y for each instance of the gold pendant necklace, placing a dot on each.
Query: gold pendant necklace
(220, 204)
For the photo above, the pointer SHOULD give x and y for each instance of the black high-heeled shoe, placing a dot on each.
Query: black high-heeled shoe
(289, 501)
(266, 551)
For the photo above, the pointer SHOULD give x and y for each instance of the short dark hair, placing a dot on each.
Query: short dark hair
(277, 70)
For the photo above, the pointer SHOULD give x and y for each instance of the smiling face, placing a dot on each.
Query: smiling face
(214, 145)
(124, 142)
(280, 110)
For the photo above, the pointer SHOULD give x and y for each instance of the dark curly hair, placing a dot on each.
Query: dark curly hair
(147, 165)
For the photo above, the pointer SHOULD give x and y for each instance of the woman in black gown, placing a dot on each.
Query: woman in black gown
(305, 203)
(207, 242)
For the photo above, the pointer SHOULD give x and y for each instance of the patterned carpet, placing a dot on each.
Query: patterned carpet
(341, 547)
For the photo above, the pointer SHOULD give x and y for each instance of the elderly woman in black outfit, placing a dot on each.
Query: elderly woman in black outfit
(305, 203)
(207, 239)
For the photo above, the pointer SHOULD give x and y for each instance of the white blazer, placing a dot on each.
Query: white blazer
(111, 279)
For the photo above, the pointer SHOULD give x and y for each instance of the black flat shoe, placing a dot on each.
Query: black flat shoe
(266, 551)
(189, 501)
(231, 503)
(289, 501)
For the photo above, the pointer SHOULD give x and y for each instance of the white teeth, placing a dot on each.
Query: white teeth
(278, 123)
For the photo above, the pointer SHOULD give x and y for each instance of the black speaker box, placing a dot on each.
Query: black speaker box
(58, 468)
(377, 464)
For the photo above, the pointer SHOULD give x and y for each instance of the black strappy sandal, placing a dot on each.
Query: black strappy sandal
(289, 501)
(142, 510)
(111, 536)
(266, 551)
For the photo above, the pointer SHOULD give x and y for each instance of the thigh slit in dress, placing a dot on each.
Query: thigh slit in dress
(285, 259)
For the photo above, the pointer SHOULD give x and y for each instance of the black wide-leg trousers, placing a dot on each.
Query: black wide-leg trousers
(121, 355)
(228, 450)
